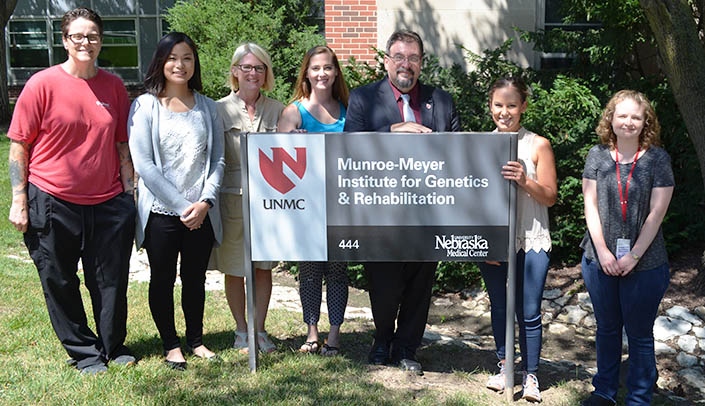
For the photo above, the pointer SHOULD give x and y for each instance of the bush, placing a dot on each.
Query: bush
(564, 106)
(286, 29)
(566, 114)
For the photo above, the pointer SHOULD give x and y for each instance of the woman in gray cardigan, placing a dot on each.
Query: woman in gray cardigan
(176, 142)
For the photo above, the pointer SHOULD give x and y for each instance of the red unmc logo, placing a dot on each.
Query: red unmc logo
(273, 169)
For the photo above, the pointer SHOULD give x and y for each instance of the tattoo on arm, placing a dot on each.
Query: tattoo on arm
(18, 165)
(127, 171)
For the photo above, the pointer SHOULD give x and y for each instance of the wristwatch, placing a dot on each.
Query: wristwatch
(636, 257)
(209, 202)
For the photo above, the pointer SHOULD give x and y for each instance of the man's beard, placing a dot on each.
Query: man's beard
(404, 84)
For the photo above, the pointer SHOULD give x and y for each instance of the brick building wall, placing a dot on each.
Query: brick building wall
(351, 28)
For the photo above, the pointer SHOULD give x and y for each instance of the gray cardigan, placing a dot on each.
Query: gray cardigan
(143, 129)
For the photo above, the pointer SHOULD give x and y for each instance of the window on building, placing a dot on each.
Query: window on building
(28, 44)
(554, 55)
(37, 44)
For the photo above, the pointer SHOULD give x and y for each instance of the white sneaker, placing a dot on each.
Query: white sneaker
(531, 390)
(497, 382)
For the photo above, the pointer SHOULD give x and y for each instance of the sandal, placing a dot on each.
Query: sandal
(264, 343)
(329, 351)
(309, 347)
(240, 340)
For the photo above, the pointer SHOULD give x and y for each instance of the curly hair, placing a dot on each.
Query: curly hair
(650, 134)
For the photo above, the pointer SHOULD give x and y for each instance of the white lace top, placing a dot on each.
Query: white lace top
(182, 144)
(532, 217)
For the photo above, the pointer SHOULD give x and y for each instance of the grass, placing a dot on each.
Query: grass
(33, 368)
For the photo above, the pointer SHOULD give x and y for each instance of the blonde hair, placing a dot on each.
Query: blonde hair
(650, 134)
(259, 53)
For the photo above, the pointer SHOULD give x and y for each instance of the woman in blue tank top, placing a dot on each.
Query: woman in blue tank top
(319, 105)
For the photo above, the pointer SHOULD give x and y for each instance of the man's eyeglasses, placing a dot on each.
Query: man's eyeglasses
(78, 38)
(399, 58)
(257, 68)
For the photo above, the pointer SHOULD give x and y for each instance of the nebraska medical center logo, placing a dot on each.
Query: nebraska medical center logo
(463, 246)
(273, 172)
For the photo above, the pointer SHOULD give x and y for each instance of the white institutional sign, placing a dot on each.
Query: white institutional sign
(378, 196)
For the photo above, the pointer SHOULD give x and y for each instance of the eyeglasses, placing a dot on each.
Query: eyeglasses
(257, 68)
(399, 58)
(78, 38)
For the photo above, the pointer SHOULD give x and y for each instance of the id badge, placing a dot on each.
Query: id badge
(623, 247)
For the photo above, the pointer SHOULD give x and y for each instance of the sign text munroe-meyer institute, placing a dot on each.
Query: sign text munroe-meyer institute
(388, 196)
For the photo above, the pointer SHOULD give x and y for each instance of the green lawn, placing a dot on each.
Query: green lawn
(33, 368)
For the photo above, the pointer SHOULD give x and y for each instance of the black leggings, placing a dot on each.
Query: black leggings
(165, 238)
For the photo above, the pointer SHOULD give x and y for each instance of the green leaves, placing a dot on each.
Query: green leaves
(286, 29)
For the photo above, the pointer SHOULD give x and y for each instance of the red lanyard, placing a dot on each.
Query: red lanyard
(624, 198)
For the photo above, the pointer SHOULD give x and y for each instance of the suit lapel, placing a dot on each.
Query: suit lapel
(386, 101)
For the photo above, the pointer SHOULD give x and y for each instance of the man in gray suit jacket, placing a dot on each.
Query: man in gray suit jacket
(400, 292)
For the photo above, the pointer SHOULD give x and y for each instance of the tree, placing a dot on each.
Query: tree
(6, 11)
(656, 47)
(678, 31)
(285, 28)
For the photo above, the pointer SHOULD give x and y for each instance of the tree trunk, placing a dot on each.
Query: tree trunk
(682, 53)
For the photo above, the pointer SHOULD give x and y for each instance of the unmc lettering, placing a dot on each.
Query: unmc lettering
(284, 204)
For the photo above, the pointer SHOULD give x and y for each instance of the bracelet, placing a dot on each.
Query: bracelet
(636, 257)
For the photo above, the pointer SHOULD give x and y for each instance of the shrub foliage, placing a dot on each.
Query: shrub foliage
(564, 105)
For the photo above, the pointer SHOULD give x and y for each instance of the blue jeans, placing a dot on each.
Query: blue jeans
(532, 268)
(631, 302)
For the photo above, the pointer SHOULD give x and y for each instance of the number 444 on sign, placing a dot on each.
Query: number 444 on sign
(349, 244)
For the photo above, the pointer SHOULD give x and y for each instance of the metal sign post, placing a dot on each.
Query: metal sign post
(511, 287)
(249, 271)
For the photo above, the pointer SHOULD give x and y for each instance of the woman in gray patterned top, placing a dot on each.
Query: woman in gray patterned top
(176, 141)
(627, 186)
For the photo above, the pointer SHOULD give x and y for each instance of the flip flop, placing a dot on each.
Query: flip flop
(329, 351)
(309, 347)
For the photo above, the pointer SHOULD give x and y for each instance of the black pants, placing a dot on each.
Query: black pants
(165, 238)
(400, 292)
(59, 235)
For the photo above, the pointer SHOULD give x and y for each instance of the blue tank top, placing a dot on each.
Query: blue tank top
(312, 125)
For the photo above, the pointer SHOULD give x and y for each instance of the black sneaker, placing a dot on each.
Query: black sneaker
(123, 356)
(127, 360)
(597, 400)
(94, 369)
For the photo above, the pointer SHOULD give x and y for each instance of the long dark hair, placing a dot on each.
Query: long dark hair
(155, 81)
(302, 90)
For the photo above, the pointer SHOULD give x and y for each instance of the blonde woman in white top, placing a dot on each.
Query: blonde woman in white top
(245, 109)
(534, 173)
